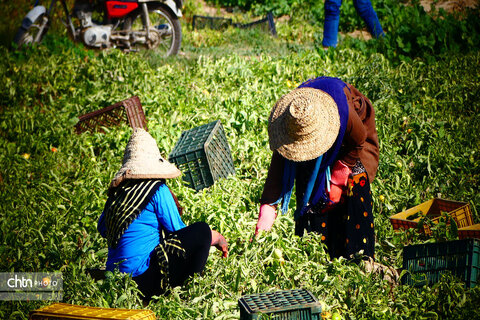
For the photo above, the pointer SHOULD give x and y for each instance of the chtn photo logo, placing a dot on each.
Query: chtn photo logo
(22, 282)
(28, 286)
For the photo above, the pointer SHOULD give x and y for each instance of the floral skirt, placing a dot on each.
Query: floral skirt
(347, 228)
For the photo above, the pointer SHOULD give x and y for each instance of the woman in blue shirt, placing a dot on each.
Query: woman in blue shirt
(141, 221)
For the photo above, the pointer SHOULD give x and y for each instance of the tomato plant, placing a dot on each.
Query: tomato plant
(427, 121)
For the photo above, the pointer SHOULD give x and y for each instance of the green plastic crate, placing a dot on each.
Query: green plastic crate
(203, 155)
(288, 304)
(427, 262)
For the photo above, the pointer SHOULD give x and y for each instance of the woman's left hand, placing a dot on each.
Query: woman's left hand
(220, 243)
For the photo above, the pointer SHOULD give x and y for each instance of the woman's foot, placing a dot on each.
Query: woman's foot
(387, 273)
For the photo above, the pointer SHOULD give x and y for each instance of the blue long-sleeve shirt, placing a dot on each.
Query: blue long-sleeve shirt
(132, 253)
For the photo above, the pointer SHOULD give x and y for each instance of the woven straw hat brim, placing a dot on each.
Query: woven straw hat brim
(142, 160)
(303, 124)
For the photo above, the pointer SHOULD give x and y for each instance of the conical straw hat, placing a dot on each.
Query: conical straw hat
(303, 124)
(142, 160)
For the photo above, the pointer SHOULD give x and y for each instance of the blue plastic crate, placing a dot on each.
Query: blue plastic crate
(288, 304)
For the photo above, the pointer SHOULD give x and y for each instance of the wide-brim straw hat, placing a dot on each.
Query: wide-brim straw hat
(303, 124)
(142, 160)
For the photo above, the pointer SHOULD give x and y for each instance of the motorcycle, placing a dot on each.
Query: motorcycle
(125, 24)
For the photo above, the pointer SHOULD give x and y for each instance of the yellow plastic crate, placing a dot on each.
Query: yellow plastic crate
(469, 232)
(459, 211)
(66, 311)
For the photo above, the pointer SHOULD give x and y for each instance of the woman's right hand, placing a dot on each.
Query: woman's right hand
(266, 217)
(220, 243)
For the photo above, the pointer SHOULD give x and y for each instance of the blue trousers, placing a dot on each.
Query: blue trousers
(332, 17)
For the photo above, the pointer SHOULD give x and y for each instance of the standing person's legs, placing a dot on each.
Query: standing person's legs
(332, 19)
(368, 14)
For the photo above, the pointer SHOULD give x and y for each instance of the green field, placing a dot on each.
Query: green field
(53, 182)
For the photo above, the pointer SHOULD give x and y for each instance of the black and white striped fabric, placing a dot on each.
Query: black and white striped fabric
(125, 204)
(169, 246)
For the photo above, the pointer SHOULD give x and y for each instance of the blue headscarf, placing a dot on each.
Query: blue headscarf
(315, 188)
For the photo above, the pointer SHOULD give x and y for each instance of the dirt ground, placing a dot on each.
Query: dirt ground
(212, 11)
(450, 5)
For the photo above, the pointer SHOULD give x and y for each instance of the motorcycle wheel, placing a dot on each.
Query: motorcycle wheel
(33, 34)
(168, 37)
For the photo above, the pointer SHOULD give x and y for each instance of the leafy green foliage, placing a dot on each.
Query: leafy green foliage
(53, 182)
(411, 31)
